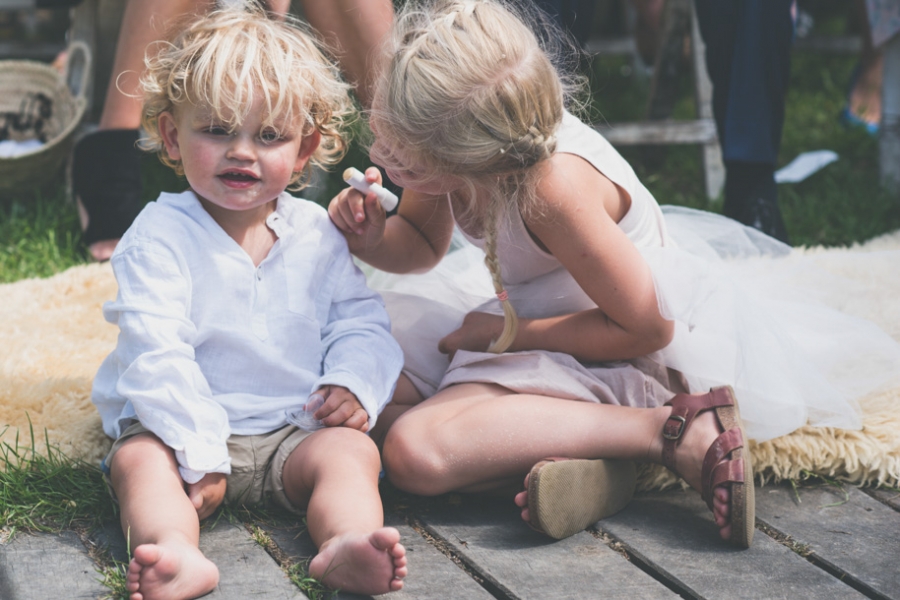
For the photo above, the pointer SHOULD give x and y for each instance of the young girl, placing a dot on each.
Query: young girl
(237, 303)
(598, 302)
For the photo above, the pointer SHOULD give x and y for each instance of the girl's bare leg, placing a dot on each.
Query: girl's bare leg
(405, 397)
(334, 474)
(160, 522)
(476, 437)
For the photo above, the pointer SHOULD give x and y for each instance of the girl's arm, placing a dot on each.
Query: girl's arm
(574, 223)
(413, 240)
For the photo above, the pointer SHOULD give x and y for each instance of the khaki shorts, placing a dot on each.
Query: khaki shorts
(257, 464)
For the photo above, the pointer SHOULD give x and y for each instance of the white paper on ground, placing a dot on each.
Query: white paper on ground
(804, 165)
(12, 148)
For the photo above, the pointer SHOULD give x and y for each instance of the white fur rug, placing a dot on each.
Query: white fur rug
(54, 338)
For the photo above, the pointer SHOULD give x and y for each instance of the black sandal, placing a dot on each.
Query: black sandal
(106, 180)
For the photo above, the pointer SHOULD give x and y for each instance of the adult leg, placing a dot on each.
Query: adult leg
(160, 522)
(748, 58)
(106, 168)
(334, 474)
(864, 96)
(356, 28)
(477, 437)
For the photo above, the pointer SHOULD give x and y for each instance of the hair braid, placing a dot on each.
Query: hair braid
(510, 318)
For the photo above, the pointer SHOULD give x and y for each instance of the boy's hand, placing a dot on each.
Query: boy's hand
(341, 409)
(207, 494)
(359, 217)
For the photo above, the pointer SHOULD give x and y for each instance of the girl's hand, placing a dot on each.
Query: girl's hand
(476, 333)
(359, 217)
(341, 409)
(207, 494)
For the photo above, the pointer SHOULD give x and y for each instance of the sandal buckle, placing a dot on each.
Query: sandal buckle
(681, 423)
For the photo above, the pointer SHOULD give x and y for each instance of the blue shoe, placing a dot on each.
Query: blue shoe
(851, 121)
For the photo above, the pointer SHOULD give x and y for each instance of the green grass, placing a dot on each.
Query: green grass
(39, 235)
(43, 490)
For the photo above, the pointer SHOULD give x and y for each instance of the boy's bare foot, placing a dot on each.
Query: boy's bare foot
(172, 571)
(363, 563)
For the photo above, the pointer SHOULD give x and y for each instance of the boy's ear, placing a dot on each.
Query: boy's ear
(308, 145)
(168, 131)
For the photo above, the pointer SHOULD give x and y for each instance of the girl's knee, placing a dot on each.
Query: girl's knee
(411, 463)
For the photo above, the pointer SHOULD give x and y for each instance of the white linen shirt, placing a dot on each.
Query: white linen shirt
(211, 345)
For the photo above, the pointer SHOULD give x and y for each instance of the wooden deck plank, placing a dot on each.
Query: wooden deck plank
(851, 533)
(673, 533)
(30, 566)
(889, 497)
(433, 576)
(517, 562)
(245, 569)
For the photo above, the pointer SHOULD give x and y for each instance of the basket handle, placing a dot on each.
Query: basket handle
(78, 68)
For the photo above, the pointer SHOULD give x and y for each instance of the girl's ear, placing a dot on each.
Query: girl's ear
(307, 146)
(168, 131)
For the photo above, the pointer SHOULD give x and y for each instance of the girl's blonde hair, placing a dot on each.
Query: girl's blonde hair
(472, 91)
(224, 60)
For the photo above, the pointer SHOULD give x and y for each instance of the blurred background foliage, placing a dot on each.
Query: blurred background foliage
(839, 205)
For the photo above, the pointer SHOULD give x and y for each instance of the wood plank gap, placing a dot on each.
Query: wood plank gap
(644, 563)
(102, 555)
(887, 496)
(803, 550)
(482, 578)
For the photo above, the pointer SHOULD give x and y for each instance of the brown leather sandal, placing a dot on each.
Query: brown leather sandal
(567, 495)
(726, 461)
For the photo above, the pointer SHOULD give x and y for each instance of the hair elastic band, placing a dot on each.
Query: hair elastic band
(502, 296)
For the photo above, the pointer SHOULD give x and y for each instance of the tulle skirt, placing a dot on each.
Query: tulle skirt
(784, 327)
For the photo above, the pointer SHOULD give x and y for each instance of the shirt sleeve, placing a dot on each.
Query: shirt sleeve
(359, 352)
(157, 371)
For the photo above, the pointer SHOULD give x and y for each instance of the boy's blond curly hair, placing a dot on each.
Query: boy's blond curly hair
(223, 60)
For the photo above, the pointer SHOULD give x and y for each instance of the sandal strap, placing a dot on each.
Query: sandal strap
(684, 408)
(718, 471)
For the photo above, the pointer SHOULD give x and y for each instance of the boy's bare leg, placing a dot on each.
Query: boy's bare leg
(334, 474)
(161, 524)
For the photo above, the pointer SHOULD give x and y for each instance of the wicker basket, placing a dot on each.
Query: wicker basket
(18, 80)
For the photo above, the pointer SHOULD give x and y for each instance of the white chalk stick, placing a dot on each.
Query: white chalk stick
(356, 179)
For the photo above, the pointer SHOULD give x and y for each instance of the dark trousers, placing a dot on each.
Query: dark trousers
(748, 56)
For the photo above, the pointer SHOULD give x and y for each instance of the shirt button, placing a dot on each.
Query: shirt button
(259, 274)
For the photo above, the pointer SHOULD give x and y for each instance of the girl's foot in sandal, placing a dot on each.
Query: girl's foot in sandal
(715, 452)
(564, 496)
(106, 183)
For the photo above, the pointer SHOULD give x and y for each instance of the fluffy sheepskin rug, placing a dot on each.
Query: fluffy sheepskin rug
(54, 339)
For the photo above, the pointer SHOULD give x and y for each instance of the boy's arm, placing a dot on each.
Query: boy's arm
(157, 375)
(359, 352)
